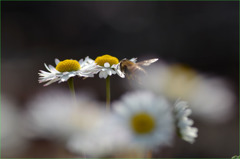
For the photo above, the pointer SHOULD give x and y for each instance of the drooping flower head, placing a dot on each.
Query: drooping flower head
(67, 69)
(108, 66)
(183, 123)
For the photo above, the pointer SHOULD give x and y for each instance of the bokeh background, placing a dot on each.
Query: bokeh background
(201, 35)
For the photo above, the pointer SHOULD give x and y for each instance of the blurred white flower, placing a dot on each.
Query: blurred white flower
(55, 115)
(13, 139)
(212, 100)
(67, 69)
(147, 118)
(108, 65)
(209, 97)
(183, 123)
(106, 139)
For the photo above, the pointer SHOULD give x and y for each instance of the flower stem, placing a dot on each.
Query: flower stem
(71, 87)
(108, 95)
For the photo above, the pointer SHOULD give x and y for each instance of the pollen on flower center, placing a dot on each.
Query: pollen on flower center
(142, 123)
(68, 66)
(101, 60)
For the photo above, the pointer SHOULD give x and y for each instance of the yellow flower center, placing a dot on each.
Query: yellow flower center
(181, 82)
(101, 60)
(178, 70)
(142, 123)
(68, 66)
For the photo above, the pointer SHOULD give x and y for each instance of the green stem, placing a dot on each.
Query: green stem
(108, 95)
(71, 87)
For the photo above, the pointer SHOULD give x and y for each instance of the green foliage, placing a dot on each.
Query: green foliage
(236, 157)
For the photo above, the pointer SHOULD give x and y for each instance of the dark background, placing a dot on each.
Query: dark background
(203, 35)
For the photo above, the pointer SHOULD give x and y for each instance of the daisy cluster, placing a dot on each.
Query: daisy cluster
(105, 65)
(141, 121)
(211, 98)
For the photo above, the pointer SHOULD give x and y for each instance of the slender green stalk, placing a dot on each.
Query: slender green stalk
(71, 87)
(108, 95)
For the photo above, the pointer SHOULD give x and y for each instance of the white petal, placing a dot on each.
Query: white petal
(80, 62)
(184, 124)
(50, 82)
(120, 109)
(110, 72)
(133, 60)
(47, 67)
(51, 67)
(120, 73)
(103, 74)
(89, 60)
(115, 66)
(72, 74)
(106, 64)
(64, 78)
(56, 61)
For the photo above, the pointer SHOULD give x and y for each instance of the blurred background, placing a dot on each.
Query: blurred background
(203, 36)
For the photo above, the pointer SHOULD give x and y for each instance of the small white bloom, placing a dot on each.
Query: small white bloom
(147, 118)
(67, 69)
(184, 124)
(54, 115)
(108, 65)
(212, 100)
(13, 135)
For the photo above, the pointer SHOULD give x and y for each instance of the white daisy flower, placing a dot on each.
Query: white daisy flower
(184, 124)
(54, 115)
(139, 122)
(108, 65)
(67, 69)
(147, 118)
